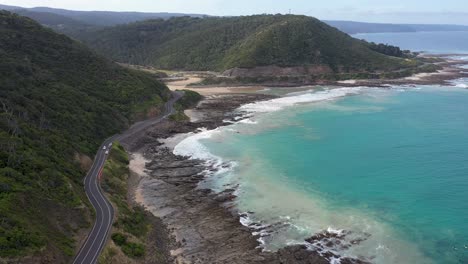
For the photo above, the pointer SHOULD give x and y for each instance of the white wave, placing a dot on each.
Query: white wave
(193, 148)
(312, 216)
(465, 58)
(260, 230)
(300, 92)
(280, 103)
(334, 260)
(460, 83)
(459, 57)
(245, 220)
(332, 230)
(248, 121)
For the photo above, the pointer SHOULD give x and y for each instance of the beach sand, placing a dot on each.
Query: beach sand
(184, 84)
(137, 166)
(204, 225)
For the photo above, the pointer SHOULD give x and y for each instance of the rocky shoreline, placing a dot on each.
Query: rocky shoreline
(204, 226)
(449, 70)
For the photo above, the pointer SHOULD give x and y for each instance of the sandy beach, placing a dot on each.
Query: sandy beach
(449, 70)
(206, 91)
(137, 166)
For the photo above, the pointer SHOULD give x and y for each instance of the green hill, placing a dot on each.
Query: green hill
(93, 18)
(222, 43)
(59, 23)
(58, 102)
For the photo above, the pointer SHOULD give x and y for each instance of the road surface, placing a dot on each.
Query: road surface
(97, 238)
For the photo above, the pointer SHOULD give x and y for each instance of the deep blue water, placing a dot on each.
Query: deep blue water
(433, 42)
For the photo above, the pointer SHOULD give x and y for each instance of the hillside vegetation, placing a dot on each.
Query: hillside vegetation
(58, 23)
(58, 101)
(94, 18)
(136, 236)
(222, 43)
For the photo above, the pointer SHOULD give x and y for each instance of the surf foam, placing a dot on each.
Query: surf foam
(307, 97)
(269, 228)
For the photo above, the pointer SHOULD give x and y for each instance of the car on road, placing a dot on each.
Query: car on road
(107, 152)
(104, 148)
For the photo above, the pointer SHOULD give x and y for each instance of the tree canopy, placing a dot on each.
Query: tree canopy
(58, 102)
(221, 43)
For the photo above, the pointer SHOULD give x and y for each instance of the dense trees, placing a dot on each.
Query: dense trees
(220, 43)
(58, 101)
(389, 50)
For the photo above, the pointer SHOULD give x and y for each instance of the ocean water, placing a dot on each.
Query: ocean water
(387, 167)
(432, 42)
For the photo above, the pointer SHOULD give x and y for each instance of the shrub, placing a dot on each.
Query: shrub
(119, 239)
(133, 249)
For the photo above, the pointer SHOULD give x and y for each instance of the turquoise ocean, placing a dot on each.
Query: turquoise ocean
(386, 166)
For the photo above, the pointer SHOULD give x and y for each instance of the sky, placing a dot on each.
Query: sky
(389, 11)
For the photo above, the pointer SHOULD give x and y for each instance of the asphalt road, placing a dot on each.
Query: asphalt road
(96, 240)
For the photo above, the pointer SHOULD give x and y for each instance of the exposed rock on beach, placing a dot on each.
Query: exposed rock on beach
(205, 227)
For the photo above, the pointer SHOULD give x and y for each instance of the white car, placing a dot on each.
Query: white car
(104, 147)
(110, 144)
(107, 152)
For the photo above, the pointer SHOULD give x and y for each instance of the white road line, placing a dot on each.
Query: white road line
(101, 158)
(102, 220)
(111, 216)
(102, 217)
(93, 169)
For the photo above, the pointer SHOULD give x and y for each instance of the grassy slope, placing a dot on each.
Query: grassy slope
(224, 43)
(131, 237)
(189, 100)
(58, 101)
(131, 225)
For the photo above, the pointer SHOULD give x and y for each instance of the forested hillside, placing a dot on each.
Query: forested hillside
(221, 43)
(94, 18)
(58, 102)
(59, 23)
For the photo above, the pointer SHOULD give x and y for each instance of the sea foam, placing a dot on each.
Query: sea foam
(295, 98)
(193, 148)
(309, 216)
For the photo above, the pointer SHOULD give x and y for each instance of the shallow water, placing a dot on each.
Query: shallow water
(389, 163)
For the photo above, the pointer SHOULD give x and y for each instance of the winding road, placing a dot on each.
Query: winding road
(96, 240)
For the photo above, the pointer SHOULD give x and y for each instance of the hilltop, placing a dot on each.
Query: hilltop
(293, 45)
(58, 102)
(99, 19)
(58, 23)
(96, 18)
